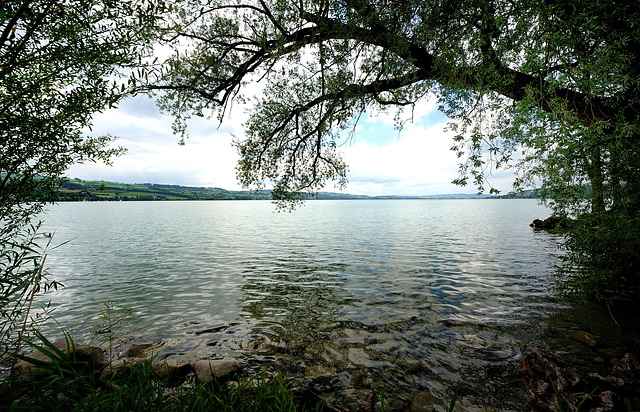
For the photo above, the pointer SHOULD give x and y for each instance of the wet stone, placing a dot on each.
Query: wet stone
(321, 372)
(585, 337)
(141, 350)
(221, 369)
(390, 404)
(427, 402)
(173, 370)
(357, 399)
(93, 357)
(118, 367)
(328, 353)
(611, 353)
(26, 371)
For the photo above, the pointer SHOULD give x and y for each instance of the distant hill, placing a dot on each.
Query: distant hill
(525, 194)
(79, 190)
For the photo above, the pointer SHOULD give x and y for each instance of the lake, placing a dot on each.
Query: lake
(400, 296)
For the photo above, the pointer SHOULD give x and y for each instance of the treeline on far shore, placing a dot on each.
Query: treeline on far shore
(92, 190)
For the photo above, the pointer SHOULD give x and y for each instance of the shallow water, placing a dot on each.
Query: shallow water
(400, 296)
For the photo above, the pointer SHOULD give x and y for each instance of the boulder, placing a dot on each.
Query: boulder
(220, 370)
(551, 222)
(25, 370)
(141, 350)
(427, 402)
(92, 358)
(119, 367)
(173, 370)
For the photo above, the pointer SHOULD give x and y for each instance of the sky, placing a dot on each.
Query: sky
(416, 161)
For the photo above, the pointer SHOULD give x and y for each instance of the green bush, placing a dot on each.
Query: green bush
(603, 257)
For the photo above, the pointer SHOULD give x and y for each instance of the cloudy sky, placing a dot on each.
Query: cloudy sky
(382, 161)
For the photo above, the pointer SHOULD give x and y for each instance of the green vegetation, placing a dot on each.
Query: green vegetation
(66, 384)
(93, 190)
(548, 88)
(60, 63)
(77, 190)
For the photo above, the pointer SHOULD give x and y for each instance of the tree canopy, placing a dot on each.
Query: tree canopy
(60, 63)
(525, 82)
(548, 88)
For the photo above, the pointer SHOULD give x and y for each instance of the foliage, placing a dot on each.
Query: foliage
(23, 275)
(113, 324)
(60, 63)
(513, 76)
(550, 89)
(603, 257)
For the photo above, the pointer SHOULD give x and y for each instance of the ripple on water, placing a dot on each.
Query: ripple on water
(401, 296)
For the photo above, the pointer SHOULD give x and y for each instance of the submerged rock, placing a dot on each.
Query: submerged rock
(427, 402)
(309, 399)
(585, 337)
(358, 399)
(141, 350)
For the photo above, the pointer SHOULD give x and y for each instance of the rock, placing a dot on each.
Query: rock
(141, 350)
(585, 337)
(390, 403)
(119, 367)
(320, 372)
(328, 353)
(24, 370)
(173, 370)
(427, 402)
(602, 394)
(93, 357)
(540, 369)
(551, 222)
(629, 367)
(357, 399)
(220, 370)
(307, 399)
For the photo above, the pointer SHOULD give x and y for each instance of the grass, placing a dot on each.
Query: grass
(61, 388)
(68, 385)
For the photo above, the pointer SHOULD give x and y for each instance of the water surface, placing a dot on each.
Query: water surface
(401, 296)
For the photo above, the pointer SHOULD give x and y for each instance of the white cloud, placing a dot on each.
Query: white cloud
(154, 156)
(419, 162)
(382, 161)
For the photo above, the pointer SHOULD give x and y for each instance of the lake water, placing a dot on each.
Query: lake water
(400, 296)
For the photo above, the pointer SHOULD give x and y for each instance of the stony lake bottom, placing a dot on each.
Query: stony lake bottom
(391, 296)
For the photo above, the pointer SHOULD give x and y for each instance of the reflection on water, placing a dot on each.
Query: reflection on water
(395, 296)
